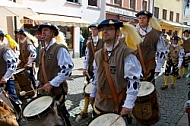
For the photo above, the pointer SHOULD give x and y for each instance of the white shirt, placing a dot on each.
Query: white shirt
(11, 59)
(87, 52)
(64, 59)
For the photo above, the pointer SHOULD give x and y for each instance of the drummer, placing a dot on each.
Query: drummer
(124, 70)
(27, 54)
(8, 61)
(55, 67)
(93, 44)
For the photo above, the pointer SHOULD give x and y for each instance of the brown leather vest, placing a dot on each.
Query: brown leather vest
(3, 64)
(186, 45)
(148, 48)
(90, 45)
(24, 53)
(116, 66)
(174, 53)
(51, 68)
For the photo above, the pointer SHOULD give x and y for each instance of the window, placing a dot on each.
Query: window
(164, 14)
(117, 2)
(177, 17)
(92, 2)
(75, 1)
(144, 5)
(132, 4)
(171, 15)
(156, 12)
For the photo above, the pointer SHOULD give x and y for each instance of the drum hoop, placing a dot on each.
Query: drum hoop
(86, 86)
(39, 115)
(102, 113)
(154, 88)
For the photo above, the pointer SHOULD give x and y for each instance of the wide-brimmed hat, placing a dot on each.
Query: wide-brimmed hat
(144, 13)
(175, 37)
(93, 25)
(1, 33)
(114, 22)
(49, 25)
(186, 31)
(21, 31)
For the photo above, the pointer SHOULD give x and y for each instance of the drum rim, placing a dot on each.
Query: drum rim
(86, 86)
(41, 114)
(103, 113)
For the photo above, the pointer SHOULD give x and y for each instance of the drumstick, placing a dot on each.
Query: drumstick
(115, 120)
(22, 93)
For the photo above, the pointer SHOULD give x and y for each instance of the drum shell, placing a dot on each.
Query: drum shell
(24, 83)
(10, 102)
(146, 109)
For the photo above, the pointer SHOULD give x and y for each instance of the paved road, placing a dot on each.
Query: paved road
(171, 100)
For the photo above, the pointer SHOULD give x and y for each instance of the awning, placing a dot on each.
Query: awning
(9, 8)
(58, 20)
(172, 25)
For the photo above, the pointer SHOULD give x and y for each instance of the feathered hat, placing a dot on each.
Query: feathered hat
(12, 42)
(1, 33)
(128, 30)
(60, 38)
(152, 20)
(49, 25)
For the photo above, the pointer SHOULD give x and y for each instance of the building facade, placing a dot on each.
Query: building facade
(169, 13)
(125, 10)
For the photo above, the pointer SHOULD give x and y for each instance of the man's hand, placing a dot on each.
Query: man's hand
(47, 87)
(126, 111)
(156, 73)
(84, 72)
(3, 81)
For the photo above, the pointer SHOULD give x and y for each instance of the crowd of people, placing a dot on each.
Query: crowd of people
(119, 60)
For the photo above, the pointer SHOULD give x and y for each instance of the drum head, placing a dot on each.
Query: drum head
(18, 71)
(146, 88)
(37, 106)
(108, 119)
(88, 88)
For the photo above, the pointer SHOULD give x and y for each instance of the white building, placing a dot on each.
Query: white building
(70, 14)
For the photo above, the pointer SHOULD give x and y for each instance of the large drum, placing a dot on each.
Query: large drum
(146, 110)
(22, 77)
(9, 110)
(108, 119)
(42, 111)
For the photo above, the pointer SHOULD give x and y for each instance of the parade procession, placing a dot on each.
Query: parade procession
(94, 63)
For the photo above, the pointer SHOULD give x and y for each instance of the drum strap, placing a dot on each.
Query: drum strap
(142, 61)
(110, 82)
(92, 47)
(43, 68)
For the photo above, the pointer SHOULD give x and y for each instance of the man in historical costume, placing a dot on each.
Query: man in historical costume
(174, 62)
(186, 47)
(27, 54)
(117, 71)
(151, 54)
(54, 68)
(8, 61)
(153, 46)
(94, 43)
